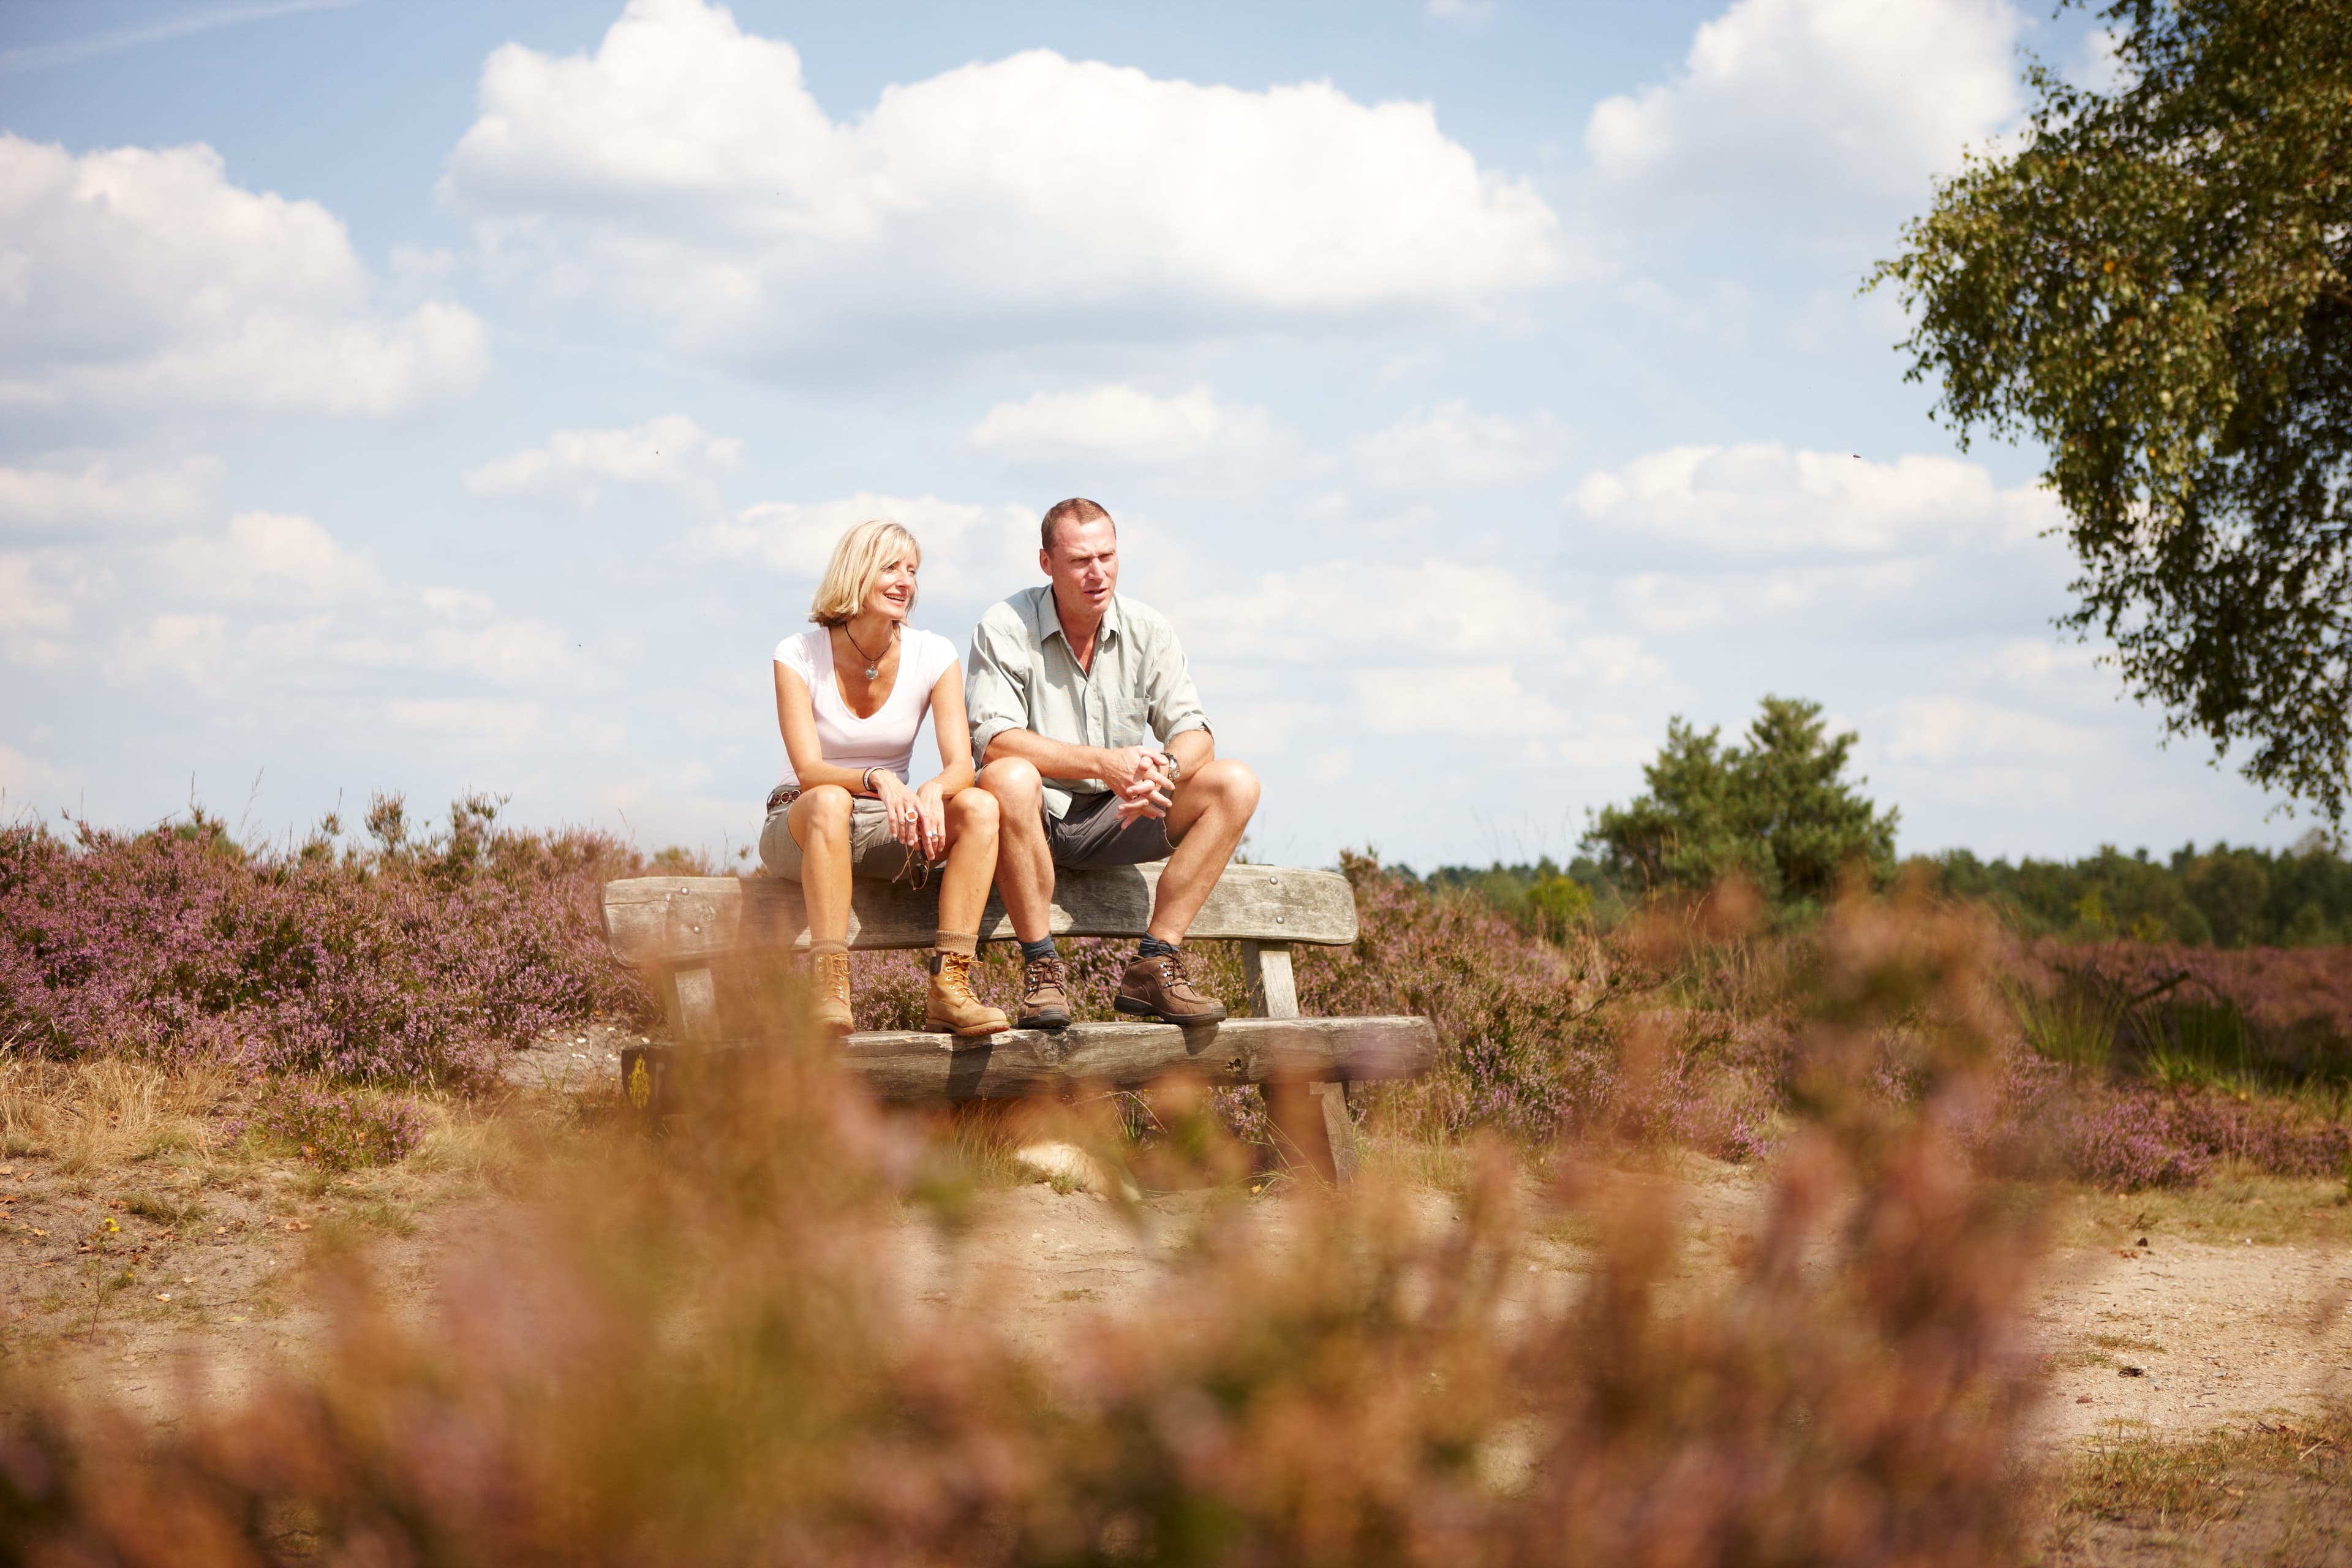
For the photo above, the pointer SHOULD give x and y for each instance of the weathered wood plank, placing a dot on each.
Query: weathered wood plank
(1338, 1130)
(1125, 1055)
(1266, 968)
(652, 922)
(694, 997)
(1306, 1135)
(917, 1067)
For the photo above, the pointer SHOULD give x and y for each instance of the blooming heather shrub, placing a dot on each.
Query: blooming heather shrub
(2048, 1121)
(410, 960)
(2295, 1004)
(724, 1359)
(339, 1128)
(1530, 1042)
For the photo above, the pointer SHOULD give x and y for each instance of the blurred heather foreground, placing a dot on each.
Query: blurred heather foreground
(709, 1346)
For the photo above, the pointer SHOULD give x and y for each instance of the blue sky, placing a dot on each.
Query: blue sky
(436, 397)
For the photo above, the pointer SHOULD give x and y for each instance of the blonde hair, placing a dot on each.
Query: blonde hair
(856, 561)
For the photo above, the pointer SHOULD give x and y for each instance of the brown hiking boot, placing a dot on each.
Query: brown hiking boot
(1157, 987)
(1045, 995)
(950, 1007)
(829, 987)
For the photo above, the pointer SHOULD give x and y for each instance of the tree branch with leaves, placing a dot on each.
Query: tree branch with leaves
(2155, 284)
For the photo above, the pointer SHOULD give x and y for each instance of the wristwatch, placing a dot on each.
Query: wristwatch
(1175, 767)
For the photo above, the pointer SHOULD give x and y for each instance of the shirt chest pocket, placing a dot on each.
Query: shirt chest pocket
(1127, 715)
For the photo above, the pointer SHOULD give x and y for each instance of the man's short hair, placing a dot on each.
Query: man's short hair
(1077, 509)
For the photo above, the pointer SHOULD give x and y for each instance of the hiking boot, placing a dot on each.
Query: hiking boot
(829, 984)
(1157, 987)
(1045, 995)
(950, 1007)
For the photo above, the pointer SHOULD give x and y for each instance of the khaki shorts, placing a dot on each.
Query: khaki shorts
(873, 853)
(1089, 836)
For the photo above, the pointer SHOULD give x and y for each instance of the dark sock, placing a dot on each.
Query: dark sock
(1031, 951)
(1153, 948)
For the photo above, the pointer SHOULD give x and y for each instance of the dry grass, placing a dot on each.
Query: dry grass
(2234, 1205)
(2270, 1491)
(100, 1113)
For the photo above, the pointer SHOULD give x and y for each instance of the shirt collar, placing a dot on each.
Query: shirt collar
(1045, 621)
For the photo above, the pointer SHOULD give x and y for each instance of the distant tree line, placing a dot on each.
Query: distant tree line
(2219, 897)
(1778, 810)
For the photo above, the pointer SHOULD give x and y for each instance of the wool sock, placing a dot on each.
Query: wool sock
(963, 941)
(1153, 947)
(818, 949)
(1031, 951)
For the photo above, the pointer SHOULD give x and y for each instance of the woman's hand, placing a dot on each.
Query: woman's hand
(931, 806)
(899, 806)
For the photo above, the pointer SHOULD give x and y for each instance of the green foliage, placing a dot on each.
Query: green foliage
(2073, 1027)
(2157, 285)
(1544, 898)
(2219, 897)
(1777, 811)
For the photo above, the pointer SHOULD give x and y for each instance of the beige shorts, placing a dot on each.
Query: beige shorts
(873, 853)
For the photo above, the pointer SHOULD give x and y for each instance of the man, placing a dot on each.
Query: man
(1064, 681)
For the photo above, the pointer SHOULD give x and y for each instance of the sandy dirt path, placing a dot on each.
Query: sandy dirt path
(2170, 1340)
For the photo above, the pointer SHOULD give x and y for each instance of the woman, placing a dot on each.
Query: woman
(850, 695)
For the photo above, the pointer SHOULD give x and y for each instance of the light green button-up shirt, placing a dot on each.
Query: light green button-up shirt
(1022, 676)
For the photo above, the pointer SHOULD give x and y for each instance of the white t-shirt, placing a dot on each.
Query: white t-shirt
(886, 739)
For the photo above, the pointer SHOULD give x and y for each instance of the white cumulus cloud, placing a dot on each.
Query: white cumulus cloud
(75, 489)
(1835, 104)
(685, 169)
(1452, 447)
(1765, 498)
(982, 544)
(142, 279)
(576, 467)
(1123, 425)
(275, 557)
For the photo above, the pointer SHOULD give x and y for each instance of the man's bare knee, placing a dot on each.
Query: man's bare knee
(1015, 784)
(1230, 784)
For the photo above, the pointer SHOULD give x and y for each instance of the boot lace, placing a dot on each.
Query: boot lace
(955, 977)
(1039, 974)
(833, 973)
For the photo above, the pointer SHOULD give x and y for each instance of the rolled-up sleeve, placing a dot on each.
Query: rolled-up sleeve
(1170, 702)
(996, 682)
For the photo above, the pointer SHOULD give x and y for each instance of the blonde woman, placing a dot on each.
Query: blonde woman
(851, 693)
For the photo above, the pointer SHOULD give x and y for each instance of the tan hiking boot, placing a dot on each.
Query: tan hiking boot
(950, 1007)
(1157, 987)
(829, 989)
(1045, 995)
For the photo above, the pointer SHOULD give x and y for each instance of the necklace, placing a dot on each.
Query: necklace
(873, 665)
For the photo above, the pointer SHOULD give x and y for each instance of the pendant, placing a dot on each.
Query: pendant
(871, 672)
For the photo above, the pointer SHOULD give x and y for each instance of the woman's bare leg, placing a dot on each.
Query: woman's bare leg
(1024, 872)
(971, 818)
(819, 822)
